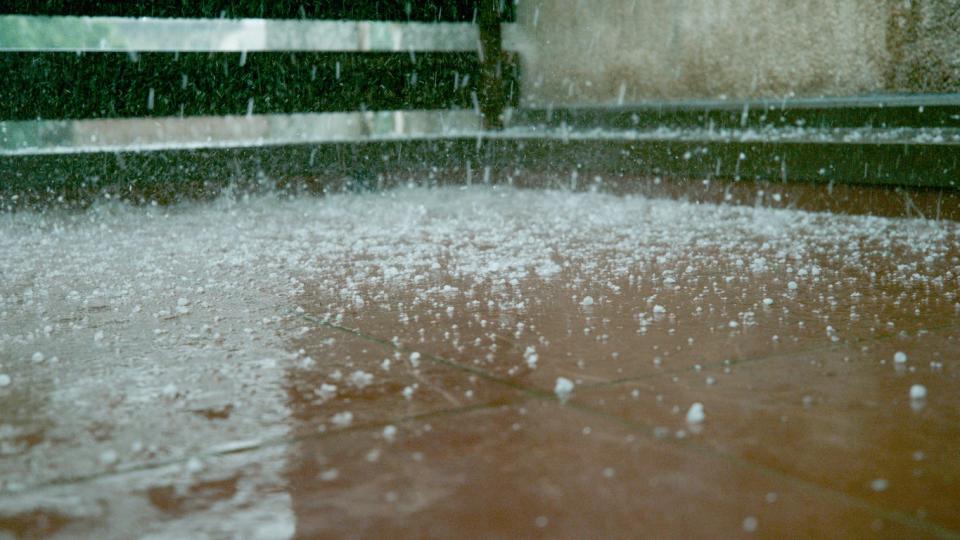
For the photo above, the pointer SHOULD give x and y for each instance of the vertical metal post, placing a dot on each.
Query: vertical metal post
(492, 93)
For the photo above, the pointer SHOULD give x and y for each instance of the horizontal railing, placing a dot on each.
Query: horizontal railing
(188, 133)
(119, 34)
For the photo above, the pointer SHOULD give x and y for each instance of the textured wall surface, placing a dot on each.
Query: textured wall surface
(924, 45)
(611, 50)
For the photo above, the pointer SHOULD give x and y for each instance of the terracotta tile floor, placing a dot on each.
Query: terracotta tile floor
(425, 332)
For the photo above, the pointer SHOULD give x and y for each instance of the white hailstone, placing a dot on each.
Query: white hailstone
(329, 475)
(900, 357)
(530, 355)
(361, 379)
(4, 379)
(587, 301)
(108, 457)
(792, 285)
(408, 392)
(750, 524)
(326, 391)
(563, 388)
(918, 391)
(659, 310)
(879, 484)
(415, 359)
(37, 357)
(194, 465)
(342, 419)
(169, 391)
(696, 415)
(768, 301)
(390, 433)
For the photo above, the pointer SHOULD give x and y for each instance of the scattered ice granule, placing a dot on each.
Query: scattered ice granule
(530, 355)
(342, 419)
(385, 365)
(390, 433)
(587, 301)
(792, 285)
(750, 524)
(415, 359)
(4, 379)
(37, 357)
(448, 290)
(182, 302)
(408, 392)
(711, 381)
(169, 391)
(326, 391)
(768, 301)
(900, 357)
(98, 336)
(373, 455)
(194, 465)
(659, 310)
(361, 379)
(329, 475)
(918, 391)
(108, 457)
(879, 484)
(563, 388)
(541, 522)
(696, 415)
(609, 472)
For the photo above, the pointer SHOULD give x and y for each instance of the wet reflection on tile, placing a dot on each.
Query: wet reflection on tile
(540, 470)
(843, 419)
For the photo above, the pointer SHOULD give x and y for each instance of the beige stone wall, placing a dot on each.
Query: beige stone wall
(607, 50)
(924, 44)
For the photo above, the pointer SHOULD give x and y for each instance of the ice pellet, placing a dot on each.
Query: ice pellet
(342, 419)
(563, 388)
(696, 415)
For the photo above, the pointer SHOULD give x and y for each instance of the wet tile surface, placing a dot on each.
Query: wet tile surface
(538, 470)
(384, 365)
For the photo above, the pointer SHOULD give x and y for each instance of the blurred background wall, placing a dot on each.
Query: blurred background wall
(627, 50)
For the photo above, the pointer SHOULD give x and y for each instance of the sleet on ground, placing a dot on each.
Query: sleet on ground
(477, 362)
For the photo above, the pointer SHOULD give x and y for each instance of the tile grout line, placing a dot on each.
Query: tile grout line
(755, 359)
(890, 515)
